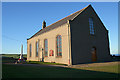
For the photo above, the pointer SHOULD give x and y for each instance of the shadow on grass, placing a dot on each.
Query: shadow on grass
(14, 71)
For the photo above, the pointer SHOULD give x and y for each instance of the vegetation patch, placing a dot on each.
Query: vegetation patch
(46, 63)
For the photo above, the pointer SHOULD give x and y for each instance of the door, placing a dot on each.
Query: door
(94, 55)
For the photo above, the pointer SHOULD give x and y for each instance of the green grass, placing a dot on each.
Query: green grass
(110, 68)
(22, 71)
(8, 61)
(47, 63)
(10, 58)
(14, 55)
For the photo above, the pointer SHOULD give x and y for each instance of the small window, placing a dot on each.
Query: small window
(30, 50)
(46, 47)
(37, 49)
(59, 45)
(91, 26)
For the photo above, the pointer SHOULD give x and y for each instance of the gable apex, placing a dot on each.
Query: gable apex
(82, 11)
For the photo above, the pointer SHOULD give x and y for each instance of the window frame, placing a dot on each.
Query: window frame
(91, 26)
(45, 48)
(58, 46)
(37, 47)
(30, 50)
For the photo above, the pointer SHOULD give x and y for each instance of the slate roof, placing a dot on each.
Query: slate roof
(58, 23)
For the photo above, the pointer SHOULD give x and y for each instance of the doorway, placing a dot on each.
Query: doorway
(94, 55)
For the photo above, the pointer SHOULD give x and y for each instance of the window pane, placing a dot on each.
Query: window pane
(60, 50)
(46, 47)
(36, 48)
(30, 50)
(60, 53)
(91, 26)
(59, 45)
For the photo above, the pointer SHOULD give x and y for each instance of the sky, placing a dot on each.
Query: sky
(21, 20)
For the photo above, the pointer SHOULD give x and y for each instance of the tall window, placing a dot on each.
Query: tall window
(91, 26)
(37, 49)
(30, 50)
(59, 45)
(46, 47)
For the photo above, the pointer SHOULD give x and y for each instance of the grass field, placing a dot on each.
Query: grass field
(14, 55)
(20, 71)
(92, 71)
(11, 58)
(111, 69)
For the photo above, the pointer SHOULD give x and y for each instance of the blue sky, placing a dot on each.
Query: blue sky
(20, 20)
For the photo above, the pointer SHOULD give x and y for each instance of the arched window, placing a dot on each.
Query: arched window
(46, 47)
(30, 49)
(37, 49)
(91, 26)
(59, 45)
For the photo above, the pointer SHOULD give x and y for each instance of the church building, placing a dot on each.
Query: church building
(78, 38)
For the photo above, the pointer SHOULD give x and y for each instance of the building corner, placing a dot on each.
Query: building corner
(69, 43)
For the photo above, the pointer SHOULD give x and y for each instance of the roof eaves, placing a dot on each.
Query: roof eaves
(34, 34)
